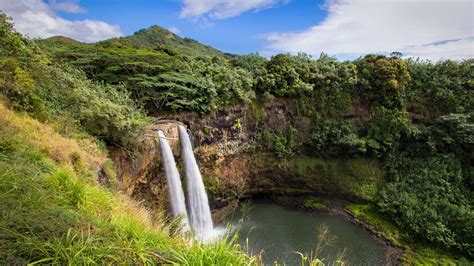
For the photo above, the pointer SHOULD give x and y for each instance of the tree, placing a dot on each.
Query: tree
(383, 80)
(285, 76)
(441, 88)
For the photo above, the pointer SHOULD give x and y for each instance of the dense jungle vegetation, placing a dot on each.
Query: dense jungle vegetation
(55, 125)
(417, 119)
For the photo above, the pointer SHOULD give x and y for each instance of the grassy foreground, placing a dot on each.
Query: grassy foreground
(53, 211)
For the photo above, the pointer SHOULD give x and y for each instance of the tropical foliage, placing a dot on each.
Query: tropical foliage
(53, 121)
(414, 117)
(52, 92)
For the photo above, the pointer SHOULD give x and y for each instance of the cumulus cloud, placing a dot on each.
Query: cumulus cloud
(36, 18)
(69, 6)
(221, 9)
(427, 29)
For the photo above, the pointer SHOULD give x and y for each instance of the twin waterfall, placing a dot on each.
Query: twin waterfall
(198, 211)
(178, 207)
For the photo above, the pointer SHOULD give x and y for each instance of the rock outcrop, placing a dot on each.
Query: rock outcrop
(141, 175)
(228, 149)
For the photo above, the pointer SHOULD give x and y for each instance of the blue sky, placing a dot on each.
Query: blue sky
(238, 34)
(427, 29)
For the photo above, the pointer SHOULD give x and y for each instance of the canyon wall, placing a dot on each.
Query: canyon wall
(233, 161)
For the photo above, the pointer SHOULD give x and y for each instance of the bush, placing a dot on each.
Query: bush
(334, 138)
(286, 76)
(386, 129)
(441, 88)
(282, 144)
(62, 93)
(382, 80)
(102, 110)
(310, 203)
(426, 197)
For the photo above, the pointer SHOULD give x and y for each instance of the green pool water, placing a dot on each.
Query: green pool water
(280, 232)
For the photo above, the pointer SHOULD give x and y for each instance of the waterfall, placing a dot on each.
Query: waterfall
(199, 211)
(178, 206)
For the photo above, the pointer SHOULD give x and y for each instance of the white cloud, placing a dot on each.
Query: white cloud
(456, 50)
(429, 29)
(221, 9)
(174, 29)
(36, 18)
(69, 6)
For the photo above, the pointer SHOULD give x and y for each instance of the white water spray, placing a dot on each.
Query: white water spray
(178, 207)
(199, 211)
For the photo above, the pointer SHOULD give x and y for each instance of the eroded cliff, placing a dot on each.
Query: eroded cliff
(235, 160)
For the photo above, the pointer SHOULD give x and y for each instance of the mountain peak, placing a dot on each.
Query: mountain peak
(155, 36)
(62, 39)
(157, 30)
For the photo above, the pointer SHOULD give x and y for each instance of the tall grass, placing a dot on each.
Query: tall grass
(325, 239)
(221, 252)
(21, 132)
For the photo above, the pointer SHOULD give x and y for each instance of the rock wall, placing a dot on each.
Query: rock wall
(225, 144)
(141, 175)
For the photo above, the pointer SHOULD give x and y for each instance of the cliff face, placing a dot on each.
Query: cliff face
(141, 175)
(225, 143)
(231, 158)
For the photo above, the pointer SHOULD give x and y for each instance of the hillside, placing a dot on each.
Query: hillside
(154, 38)
(58, 186)
(62, 39)
(162, 70)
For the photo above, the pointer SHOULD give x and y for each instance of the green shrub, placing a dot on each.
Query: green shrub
(441, 88)
(334, 138)
(104, 111)
(426, 197)
(61, 92)
(286, 76)
(311, 203)
(386, 129)
(282, 144)
(383, 80)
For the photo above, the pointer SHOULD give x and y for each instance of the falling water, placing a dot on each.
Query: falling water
(178, 207)
(199, 211)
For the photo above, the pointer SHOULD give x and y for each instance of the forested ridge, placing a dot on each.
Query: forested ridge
(416, 117)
